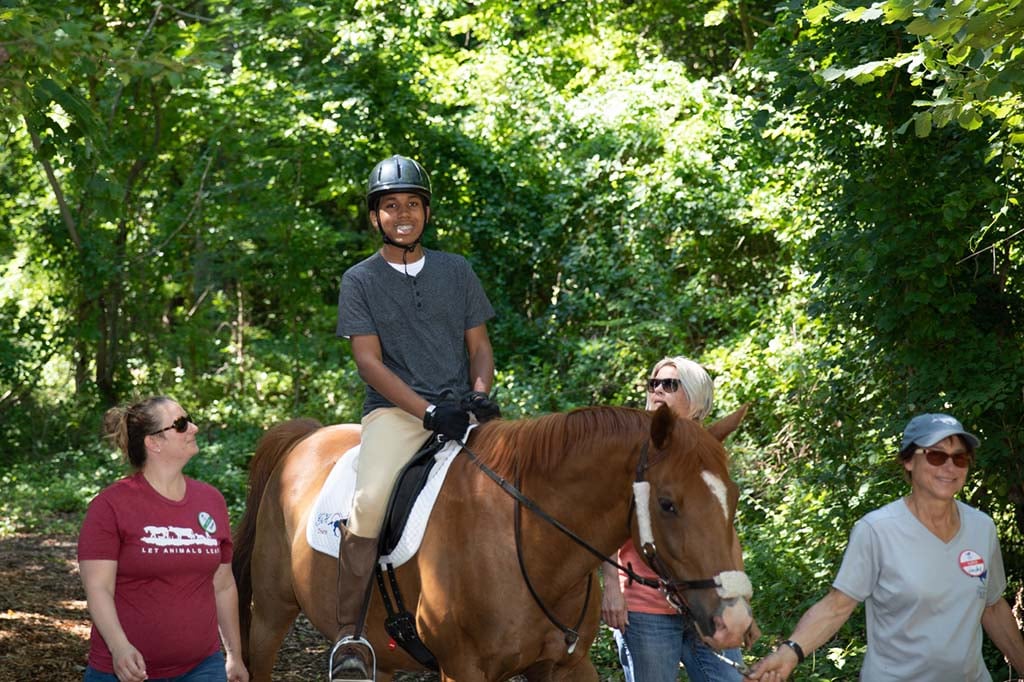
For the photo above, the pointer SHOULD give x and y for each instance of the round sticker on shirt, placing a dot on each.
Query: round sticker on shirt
(207, 523)
(971, 563)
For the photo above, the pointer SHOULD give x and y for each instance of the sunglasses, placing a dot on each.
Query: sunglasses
(938, 458)
(668, 385)
(180, 425)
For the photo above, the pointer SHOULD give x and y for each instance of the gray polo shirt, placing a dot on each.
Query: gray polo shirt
(421, 321)
(923, 597)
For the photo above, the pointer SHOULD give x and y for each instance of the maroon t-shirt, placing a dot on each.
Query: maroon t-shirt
(166, 554)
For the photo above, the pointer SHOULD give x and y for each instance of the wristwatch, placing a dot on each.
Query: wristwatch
(797, 649)
(428, 416)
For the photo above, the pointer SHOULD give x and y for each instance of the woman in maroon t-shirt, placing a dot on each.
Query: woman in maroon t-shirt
(155, 557)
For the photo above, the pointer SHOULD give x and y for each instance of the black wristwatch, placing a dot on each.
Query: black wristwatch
(797, 649)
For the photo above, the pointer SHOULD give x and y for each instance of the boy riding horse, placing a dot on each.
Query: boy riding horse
(417, 322)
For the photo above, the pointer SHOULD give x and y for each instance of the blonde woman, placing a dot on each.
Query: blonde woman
(653, 638)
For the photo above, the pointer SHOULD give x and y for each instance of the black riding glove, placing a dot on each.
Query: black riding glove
(447, 419)
(480, 404)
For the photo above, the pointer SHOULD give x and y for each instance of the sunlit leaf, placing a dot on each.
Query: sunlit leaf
(923, 124)
(823, 11)
(969, 119)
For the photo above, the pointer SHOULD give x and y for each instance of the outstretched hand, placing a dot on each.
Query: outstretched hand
(775, 667)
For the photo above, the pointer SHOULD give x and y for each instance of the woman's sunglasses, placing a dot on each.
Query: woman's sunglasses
(938, 458)
(668, 385)
(180, 425)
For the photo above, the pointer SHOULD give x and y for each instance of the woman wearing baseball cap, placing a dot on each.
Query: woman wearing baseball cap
(929, 570)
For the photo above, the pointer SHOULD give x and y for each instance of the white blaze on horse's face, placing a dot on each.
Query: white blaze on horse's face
(718, 488)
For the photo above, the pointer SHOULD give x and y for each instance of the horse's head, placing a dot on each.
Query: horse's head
(692, 504)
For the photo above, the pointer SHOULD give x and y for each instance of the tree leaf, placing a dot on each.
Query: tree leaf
(923, 123)
(969, 118)
(823, 11)
(957, 54)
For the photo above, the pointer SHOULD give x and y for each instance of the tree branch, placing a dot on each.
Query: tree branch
(991, 247)
(135, 53)
(65, 211)
(195, 206)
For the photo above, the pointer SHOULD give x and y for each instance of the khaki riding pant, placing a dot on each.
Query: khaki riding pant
(391, 436)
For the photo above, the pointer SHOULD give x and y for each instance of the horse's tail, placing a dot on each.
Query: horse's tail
(270, 450)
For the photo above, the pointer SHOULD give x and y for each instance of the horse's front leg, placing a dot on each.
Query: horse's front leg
(464, 676)
(467, 666)
(575, 668)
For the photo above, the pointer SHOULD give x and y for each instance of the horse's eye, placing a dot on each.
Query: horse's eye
(667, 505)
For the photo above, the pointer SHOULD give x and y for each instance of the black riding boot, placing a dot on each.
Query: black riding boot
(352, 657)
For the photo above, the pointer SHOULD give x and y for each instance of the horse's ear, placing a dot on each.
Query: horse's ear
(661, 426)
(723, 427)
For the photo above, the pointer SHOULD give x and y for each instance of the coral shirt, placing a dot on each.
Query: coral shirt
(640, 597)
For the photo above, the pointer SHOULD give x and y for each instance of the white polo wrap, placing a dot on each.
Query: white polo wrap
(642, 495)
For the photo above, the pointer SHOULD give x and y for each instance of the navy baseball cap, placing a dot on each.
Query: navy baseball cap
(926, 430)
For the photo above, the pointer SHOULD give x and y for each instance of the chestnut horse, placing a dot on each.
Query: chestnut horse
(465, 587)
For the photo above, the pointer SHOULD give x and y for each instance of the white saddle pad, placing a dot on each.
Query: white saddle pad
(334, 505)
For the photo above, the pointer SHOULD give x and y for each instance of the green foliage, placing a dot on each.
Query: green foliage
(181, 189)
(605, 655)
(51, 494)
(964, 59)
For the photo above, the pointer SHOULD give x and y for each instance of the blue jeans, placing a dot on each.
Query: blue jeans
(210, 669)
(655, 644)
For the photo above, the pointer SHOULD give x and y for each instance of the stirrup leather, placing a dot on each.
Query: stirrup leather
(357, 641)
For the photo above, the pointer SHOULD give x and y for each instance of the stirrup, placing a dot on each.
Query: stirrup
(357, 641)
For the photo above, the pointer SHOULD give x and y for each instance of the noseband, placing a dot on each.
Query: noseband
(729, 584)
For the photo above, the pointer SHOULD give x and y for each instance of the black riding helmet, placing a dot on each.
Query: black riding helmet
(397, 174)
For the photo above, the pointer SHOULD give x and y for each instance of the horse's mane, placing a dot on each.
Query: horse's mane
(538, 445)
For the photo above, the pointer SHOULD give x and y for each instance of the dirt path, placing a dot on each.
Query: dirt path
(44, 624)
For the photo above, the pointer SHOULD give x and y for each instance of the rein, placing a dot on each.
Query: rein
(672, 588)
(572, 635)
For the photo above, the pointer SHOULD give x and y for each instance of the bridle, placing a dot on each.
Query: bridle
(672, 588)
(640, 506)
